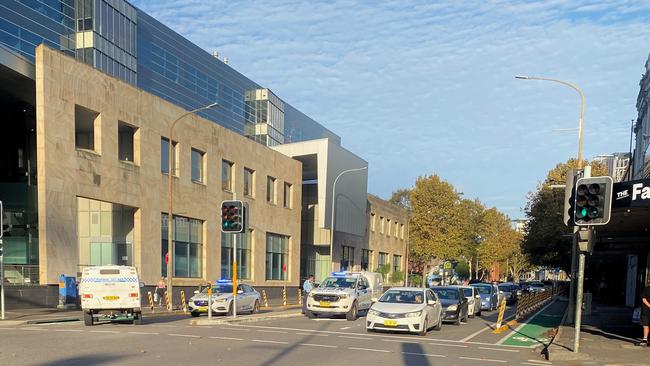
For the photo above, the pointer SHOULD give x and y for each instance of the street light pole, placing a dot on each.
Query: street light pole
(575, 272)
(333, 207)
(170, 212)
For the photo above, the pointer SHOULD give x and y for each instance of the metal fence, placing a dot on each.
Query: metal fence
(527, 303)
(21, 275)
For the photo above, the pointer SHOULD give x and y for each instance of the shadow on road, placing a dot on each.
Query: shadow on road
(85, 360)
(413, 355)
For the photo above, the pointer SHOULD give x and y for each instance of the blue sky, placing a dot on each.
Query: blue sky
(421, 87)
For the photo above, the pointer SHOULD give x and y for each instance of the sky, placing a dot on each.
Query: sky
(423, 87)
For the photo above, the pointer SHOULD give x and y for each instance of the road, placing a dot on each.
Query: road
(291, 341)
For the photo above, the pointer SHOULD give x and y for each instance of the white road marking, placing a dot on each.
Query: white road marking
(422, 354)
(8, 328)
(104, 331)
(68, 330)
(353, 337)
(41, 329)
(487, 327)
(449, 345)
(369, 349)
(400, 341)
(499, 349)
(534, 364)
(329, 319)
(144, 333)
(184, 335)
(539, 362)
(242, 329)
(313, 334)
(317, 345)
(481, 359)
(227, 338)
(344, 328)
(275, 342)
(271, 331)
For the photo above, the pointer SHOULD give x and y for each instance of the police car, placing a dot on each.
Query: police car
(343, 293)
(248, 299)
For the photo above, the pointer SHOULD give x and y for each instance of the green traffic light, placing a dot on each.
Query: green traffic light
(583, 212)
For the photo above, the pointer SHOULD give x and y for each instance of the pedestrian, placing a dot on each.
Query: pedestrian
(645, 313)
(307, 286)
(161, 287)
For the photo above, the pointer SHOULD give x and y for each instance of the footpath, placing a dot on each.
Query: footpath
(607, 337)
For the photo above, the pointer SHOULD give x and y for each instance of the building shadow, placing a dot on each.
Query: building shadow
(414, 355)
(85, 360)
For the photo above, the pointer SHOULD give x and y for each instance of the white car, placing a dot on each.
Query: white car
(343, 293)
(406, 309)
(248, 299)
(110, 293)
(473, 300)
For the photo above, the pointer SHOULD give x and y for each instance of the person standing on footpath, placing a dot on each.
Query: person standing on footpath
(645, 313)
(307, 286)
(160, 290)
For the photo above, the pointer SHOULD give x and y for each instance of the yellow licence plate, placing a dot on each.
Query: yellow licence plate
(203, 308)
(111, 298)
(390, 323)
(325, 304)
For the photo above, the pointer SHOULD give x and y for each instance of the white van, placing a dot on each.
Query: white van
(110, 293)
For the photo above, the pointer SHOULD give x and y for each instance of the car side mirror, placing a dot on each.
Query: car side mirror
(240, 291)
(141, 284)
(196, 292)
(478, 296)
(431, 302)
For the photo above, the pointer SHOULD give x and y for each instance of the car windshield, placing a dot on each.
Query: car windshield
(402, 297)
(339, 282)
(219, 289)
(485, 290)
(468, 292)
(536, 285)
(505, 288)
(447, 294)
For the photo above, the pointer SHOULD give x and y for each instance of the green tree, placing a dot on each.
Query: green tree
(473, 216)
(401, 198)
(547, 240)
(462, 269)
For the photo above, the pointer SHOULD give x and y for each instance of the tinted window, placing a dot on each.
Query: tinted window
(339, 282)
(468, 292)
(402, 297)
(447, 294)
(485, 290)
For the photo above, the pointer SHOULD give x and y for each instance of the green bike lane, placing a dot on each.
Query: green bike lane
(539, 329)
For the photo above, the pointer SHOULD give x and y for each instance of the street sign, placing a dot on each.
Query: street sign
(448, 265)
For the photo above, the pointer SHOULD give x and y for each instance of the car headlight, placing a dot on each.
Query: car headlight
(414, 314)
(311, 295)
(373, 312)
(343, 296)
(221, 300)
(452, 307)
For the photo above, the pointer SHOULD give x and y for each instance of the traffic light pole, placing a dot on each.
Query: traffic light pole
(579, 282)
(234, 266)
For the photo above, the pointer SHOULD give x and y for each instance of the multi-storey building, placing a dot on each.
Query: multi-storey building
(640, 167)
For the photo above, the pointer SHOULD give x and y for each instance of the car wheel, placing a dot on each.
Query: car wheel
(230, 310)
(352, 314)
(424, 328)
(256, 307)
(457, 322)
(439, 325)
(479, 312)
(195, 314)
(137, 318)
(88, 319)
(309, 314)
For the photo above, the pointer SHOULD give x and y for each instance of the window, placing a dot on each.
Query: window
(85, 122)
(366, 259)
(396, 233)
(388, 227)
(401, 231)
(270, 190)
(243, 255)
(381, 224)
(226, 175)
(288, 190)
(126, 139)
(188, 246)
(164, 156)
(397, 263)
(383, 259)
(347, 258)
(276, 256)
(249, 182)
(197, 166)
(372, 221)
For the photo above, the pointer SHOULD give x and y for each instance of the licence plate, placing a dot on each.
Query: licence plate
(390, 323)
(325, 304)
(110, 298)
(203, 308)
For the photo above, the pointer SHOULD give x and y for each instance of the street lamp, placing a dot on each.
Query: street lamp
(334, 206)
(581, 256)
(582, 107)
(170, 214)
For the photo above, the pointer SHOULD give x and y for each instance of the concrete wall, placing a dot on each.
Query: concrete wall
(65, 173)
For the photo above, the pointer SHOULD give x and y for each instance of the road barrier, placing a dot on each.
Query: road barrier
(150, 300)
(284, 296)
(168, 300)
(265, 299)
(502, 311)
(299, 296)
(527, 303)
(183, 302)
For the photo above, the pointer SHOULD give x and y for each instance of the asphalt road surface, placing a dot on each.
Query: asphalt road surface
(290, 341)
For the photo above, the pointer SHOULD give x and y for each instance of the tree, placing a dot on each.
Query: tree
(401, 198)
(473, 212)
(496, 235)
(547, 240)
(462, 269)
(437, 224)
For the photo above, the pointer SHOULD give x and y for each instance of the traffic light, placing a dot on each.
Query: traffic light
(233, 217)
(593, 201)
(569, 196)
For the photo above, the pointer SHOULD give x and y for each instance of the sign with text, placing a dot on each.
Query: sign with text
(634, 193)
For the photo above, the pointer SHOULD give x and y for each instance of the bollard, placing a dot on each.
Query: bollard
(299, 296)
(183, 301)
(167, 300)
(284, 296)
(265, 300)
(150, 301)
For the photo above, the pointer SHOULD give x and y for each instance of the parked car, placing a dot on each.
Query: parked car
(536, 286)
(509, 292)
(489, 296)
(454, 303)
(473, 300)
(248, 299)
(405, 309)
